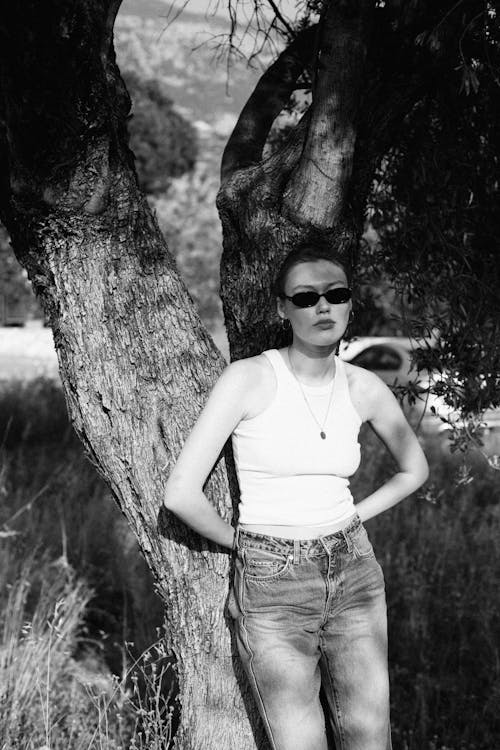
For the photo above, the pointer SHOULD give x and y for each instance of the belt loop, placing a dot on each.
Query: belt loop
(347, 538)
(296, 551)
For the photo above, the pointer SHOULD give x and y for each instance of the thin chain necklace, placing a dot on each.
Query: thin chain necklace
(321, 426)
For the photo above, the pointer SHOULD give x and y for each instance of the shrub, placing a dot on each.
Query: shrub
(163, 141)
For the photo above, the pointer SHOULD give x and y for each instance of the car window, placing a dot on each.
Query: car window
(378, 357)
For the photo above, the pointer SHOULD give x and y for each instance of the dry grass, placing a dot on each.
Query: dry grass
(44, 704)
(52, 700)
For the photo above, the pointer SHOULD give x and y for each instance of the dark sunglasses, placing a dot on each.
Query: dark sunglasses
(308, 299)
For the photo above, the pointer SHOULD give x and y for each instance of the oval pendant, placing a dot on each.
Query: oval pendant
(323, 435)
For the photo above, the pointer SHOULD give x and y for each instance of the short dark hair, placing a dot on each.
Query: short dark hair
(306, 252)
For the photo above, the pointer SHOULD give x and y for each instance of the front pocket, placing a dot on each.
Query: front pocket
(361, 544)
(262, 564)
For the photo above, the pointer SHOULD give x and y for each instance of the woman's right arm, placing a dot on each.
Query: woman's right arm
(225, 408)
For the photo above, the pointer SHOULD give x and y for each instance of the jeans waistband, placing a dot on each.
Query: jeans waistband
(303, 547)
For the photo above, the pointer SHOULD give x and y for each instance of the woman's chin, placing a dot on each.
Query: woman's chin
(324, 339)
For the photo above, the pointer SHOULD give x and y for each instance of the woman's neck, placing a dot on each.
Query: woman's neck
(312, 365)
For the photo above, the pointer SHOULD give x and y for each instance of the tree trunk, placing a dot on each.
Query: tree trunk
(136, 363)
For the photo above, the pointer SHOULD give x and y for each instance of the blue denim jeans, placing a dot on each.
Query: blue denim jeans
(311, 614)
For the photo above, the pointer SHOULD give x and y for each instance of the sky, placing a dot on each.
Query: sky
(211, 7)
(219, 7)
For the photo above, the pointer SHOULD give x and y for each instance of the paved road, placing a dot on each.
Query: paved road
(28, 351)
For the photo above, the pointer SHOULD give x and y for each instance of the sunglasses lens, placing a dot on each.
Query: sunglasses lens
(333, 296)
(338, 296)
(305, 299)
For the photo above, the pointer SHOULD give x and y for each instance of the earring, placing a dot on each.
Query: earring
(351, 318)
(285, 324)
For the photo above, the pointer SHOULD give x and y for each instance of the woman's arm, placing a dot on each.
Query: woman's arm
(184, 495)
(380, 408)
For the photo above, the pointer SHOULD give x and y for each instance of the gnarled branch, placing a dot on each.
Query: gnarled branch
(244, 147)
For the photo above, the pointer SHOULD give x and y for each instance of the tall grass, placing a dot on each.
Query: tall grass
(50, 699)
(43, 704)
(439, 552)
(441, 560)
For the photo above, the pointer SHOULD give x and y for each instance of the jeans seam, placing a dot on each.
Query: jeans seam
(362, 555)
(265, 579)
(334, 692)
(263, 711)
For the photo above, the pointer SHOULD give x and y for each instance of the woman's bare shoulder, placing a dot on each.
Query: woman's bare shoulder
(366, 390)
(253, 377)
(361, 378)
(250, 369)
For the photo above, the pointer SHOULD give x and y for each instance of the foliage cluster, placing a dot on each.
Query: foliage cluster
(163, 141)
(439, 555)
(435, 203)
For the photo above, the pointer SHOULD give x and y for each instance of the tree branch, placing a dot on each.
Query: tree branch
(282, 19)
(244, 147)
(316, 191)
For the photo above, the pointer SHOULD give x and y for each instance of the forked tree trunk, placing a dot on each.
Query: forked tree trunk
(136, 363)
(267, 206)
(316, 185)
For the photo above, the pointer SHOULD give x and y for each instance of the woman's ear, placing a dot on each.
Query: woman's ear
(280, 307)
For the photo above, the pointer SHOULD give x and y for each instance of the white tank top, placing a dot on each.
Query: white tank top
(289, 475)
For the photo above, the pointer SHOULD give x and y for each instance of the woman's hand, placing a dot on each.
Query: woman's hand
(377, 405)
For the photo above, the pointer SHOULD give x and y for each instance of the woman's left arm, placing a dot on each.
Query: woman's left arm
(385, 416)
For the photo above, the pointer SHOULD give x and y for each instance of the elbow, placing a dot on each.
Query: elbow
(172, 499)
(417, 473)
(422, 473)
(426, 472)
(170, 502)
(177, 495)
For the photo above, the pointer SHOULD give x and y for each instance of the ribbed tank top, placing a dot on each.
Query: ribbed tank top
(289, 475)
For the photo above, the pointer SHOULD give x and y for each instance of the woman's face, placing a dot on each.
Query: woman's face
(324, 323)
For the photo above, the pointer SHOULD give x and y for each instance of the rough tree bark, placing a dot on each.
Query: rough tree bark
(136, 363)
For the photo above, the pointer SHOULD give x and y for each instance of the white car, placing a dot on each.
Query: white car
(390, 357)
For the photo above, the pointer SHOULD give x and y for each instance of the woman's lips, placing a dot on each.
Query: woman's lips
(325, 324)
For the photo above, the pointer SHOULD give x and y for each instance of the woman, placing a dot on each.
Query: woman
(308, 595)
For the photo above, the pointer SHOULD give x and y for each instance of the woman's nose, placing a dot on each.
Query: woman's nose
(322, 303)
